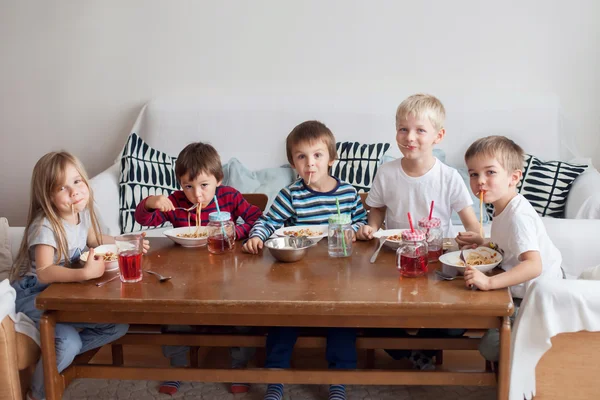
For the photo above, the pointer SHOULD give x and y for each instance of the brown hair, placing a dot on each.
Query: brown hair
(310, 131)
(422, 106)
(47, 177)
(196, 158)
(505, 151)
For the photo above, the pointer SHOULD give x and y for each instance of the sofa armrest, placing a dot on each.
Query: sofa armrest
(583, 201)
(106, 197)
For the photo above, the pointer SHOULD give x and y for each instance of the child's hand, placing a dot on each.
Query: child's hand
(468, 239)
(365, 232)
(145, 244)
(253, 245)
(94, 267)
(475, 277)
(161, 203)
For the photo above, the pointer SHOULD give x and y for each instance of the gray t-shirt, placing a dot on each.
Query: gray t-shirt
(76, 238)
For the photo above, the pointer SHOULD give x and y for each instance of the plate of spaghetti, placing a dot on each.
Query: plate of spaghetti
(109, 254)
(188, 236)
(394, 237)
(482, 258)
(313, 232)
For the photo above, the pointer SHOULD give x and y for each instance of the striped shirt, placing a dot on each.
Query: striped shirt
(299, 205)
(229, 199)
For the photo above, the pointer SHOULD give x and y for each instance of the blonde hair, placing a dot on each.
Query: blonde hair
(505, 151)
(422, 106)
(47, 177)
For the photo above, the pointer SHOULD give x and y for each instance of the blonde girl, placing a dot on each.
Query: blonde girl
(60, 224)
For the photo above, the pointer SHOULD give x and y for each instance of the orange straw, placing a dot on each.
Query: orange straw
(410, 223)
(431, 210)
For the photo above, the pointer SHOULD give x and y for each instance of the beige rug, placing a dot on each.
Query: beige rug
(103, 389)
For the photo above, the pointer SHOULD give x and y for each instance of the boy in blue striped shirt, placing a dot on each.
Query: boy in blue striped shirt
(310, 200)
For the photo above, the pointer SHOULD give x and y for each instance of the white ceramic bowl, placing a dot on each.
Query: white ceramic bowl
(319, 230)
(100, 251)
(187, 242)
(453, 259)
(392, 244)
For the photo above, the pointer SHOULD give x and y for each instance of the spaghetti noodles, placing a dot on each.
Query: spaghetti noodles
(196, 234)
(475, 258)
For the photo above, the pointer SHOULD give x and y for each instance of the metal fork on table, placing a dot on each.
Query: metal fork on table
(381, 242)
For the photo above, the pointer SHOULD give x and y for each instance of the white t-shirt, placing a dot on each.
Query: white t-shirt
(518, 229)
(41, 233)
(400, 194)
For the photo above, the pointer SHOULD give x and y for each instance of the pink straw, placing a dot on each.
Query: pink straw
(410, 223)
(431, 210)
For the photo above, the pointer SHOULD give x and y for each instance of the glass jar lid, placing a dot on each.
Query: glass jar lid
(340, 219)
(413, 236)
(219, 216)
(430, 223)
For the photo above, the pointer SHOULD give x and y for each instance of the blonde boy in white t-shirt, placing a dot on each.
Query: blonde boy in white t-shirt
(494, 164)
(410, 184)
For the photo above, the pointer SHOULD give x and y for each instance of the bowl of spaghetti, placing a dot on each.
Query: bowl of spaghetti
(109, 254)
(188, 236)
(482, 258)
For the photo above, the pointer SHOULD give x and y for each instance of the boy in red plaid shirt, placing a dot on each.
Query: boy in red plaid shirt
(199, 172)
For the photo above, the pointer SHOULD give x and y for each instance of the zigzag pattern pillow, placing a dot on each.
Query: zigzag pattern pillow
(546, 185)
(144, 172)
(357, 163)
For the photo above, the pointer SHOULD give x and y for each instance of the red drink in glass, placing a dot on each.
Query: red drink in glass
(130, 266)
(434, 255)
(219, 244)
(413, 266)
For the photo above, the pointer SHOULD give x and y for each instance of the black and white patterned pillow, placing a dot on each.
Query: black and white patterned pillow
(546, 185)
(357, 163)
(144, 172)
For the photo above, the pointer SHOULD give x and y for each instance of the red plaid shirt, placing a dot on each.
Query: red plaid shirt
(229, 199)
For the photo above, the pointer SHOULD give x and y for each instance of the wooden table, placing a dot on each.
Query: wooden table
(240, 289)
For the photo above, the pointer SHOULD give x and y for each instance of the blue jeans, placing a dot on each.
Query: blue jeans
(71, 339)
(340, 353)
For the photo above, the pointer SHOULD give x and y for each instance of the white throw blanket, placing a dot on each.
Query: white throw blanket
(549, 308)
(23, 324)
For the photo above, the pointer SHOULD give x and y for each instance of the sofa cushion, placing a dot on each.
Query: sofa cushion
(546, 184)
(268, 180)
(591, 274)
(357, 163)
(6, 259)
(145, 171)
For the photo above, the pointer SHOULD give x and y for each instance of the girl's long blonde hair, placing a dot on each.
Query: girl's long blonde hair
(47, 178)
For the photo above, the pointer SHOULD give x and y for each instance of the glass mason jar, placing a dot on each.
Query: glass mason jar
(221, 232)
(339, 236)
(411, 256)
(434, 237)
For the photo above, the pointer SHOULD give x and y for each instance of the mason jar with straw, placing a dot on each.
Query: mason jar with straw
(339, 237)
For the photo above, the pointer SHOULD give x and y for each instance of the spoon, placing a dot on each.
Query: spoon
(100, 284)
(161, 278)
(381, 242)
(445, 276)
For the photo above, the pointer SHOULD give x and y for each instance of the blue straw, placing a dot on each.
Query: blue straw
(219, 211)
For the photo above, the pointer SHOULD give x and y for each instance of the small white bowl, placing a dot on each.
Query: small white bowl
(188, 242)
(453, 259)
(100, 251)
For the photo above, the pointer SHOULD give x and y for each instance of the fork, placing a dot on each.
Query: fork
(186, 209)
(100, 284)
(381, 242)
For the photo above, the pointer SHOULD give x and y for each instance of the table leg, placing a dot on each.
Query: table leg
(504, 361)
(52, 379)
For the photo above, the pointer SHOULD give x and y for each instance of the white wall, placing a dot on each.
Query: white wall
(73, 74)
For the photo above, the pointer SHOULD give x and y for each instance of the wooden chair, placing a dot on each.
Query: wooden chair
(260, 200)
(363, 197)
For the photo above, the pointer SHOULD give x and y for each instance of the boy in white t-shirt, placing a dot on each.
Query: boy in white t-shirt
(410, 184)
(494, 164)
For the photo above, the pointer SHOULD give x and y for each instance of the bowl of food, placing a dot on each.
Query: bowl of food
(289, 248)
(482, 258)
(108, 252)
(188, 236)
(313, 232)
(394, 237)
